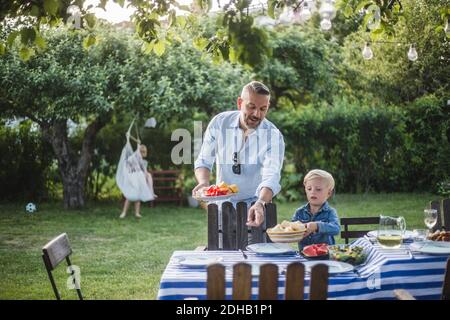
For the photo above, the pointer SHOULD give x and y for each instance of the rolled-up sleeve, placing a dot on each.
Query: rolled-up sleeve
(207, 154)
(272, 164)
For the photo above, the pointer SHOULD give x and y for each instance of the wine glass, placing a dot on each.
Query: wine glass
(430, 218)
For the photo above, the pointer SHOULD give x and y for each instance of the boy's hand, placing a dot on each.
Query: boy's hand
(311, 227)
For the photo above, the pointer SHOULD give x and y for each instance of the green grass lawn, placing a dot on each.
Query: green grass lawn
(124, 259)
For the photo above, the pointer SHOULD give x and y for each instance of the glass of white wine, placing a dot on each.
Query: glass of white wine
(430, 218)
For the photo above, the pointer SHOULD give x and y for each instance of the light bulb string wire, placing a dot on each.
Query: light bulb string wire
(370, 43)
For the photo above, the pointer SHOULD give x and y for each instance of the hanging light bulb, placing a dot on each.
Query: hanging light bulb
(296, 19)
(367, 52)
(311, 6)
(325, 24)
(305, 13)
(412, 53)
(327, 10)
(285, 16)
(375, 21)
(264, 22)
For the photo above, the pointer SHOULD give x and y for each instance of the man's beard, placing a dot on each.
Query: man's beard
(252, 122)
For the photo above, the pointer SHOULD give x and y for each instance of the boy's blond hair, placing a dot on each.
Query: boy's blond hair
(317, 173)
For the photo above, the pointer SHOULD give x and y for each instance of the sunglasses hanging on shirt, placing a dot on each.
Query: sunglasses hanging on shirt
(236, 166)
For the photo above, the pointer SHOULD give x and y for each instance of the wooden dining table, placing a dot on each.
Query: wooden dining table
(383, 271)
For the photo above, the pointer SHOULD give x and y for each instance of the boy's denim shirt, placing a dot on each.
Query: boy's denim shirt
(327, 223)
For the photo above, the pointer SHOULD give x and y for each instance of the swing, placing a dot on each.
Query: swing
(132, 177)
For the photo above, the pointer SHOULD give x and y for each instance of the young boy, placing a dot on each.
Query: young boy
(321, 220)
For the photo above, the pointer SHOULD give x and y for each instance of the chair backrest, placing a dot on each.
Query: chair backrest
(348, 234)
(53, 253)
(235, 233)
(268, 282)
(436, 204)
(168, 186)
(446, 286)
(443, 209)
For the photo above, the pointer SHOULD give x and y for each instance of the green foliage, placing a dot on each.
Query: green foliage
(390, 77)
(303, 67)
(428, 123)
(25, 162)
(243, 42)
(64, 81)
(443, 188)
(379, 148)
(361, 146)
(179, 83)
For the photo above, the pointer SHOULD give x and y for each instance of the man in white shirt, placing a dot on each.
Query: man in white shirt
(248, 150)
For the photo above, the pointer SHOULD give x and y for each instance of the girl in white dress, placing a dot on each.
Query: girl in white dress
(148, 177)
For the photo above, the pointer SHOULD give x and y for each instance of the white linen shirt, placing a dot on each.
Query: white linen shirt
(261, 156)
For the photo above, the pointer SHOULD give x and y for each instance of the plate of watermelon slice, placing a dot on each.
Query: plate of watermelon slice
(316, 252)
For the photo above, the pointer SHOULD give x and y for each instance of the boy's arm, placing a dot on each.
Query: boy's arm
(332, 227)
(296, 215)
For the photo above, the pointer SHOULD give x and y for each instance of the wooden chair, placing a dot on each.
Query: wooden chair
(235, 233)
(54, 252)
(168, 186)
(345, 222)
(443, 210)
(268, 282)
(402, 294)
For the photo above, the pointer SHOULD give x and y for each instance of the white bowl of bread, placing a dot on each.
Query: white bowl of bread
(287, 232)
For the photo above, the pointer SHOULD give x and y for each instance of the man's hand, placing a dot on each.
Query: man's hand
(255, 215)
(199, 188)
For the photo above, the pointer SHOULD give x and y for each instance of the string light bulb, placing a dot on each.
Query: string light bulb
(327, 10)
(325, 24)
(305, 14)
(412, 53)
(367, 52)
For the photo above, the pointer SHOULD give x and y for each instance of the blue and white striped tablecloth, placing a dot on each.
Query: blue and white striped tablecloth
(384, 271)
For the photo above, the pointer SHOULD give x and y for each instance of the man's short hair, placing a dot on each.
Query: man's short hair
(256, 87)
(317, 173)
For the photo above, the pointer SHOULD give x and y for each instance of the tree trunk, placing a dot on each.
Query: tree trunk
(73, 191)
(73, 166)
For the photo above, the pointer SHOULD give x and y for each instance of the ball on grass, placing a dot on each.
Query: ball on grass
(31, 208)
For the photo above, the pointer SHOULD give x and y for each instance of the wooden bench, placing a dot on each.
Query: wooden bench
(168, 186)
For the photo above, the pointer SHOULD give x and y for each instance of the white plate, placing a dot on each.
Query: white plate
(215, 198)
(333, 266)
(431, 247)
(197, 262)
(408, 234)
(270, 248)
